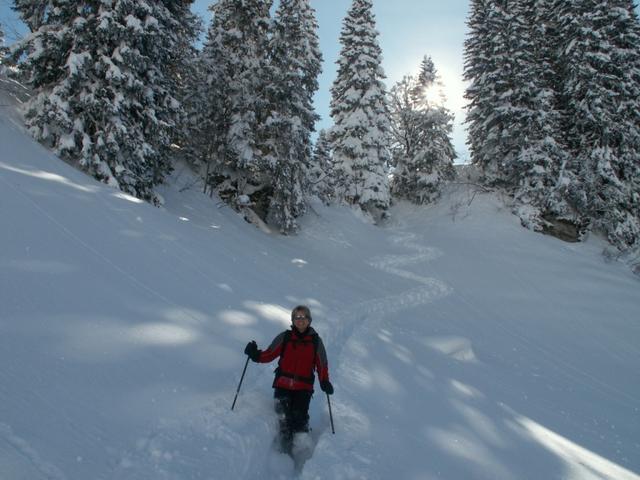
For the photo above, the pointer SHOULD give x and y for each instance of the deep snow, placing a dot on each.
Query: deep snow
(461, 346)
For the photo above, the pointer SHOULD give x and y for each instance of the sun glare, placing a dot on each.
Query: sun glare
(434, 95)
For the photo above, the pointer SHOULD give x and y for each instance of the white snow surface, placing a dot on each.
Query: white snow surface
(461, 346)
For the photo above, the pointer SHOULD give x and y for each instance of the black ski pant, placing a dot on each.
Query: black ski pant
(293, 407)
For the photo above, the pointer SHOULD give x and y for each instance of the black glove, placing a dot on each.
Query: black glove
(326, 387)
(252, 350)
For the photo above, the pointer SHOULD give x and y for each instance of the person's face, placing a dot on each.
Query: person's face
(300, 321)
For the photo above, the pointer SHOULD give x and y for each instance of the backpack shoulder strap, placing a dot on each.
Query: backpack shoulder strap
(283, 345)
(285, 339)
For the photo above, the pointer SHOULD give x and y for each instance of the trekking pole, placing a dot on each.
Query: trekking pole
(330, 415)
(240, 384)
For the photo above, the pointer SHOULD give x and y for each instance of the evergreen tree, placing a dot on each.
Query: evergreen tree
(421, 126)
(600, 73)
(360, 135)
(104, 85)
(260, 77)
(3, 50)
(479, 66)
(199, 135)
(321, 171)
(235, 73)
(514, 132)
(295, 66)
(183, 64)
(498, 141)
(208, 104)
(536, 174)
(554, 109)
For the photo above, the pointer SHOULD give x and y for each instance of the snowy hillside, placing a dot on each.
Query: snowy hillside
(461, 346)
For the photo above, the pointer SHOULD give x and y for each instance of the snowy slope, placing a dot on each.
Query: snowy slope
(461, 346)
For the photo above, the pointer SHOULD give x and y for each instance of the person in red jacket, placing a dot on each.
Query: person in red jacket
(301, 351)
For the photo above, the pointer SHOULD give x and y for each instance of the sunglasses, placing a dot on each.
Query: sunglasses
(300, 317)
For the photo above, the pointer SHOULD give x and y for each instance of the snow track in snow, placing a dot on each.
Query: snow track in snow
(429, 289)
(375, 310)
(372, 312)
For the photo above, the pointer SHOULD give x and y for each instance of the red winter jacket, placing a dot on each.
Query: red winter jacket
(298, 360)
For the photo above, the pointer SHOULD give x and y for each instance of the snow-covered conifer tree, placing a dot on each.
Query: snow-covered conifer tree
(479, 65)
(199, 134)
(104, 85)
(3, 49)
(294, 68)
(535, 169)
(600, 60)
(494, 53)
(514, 131)
(320, 173)
(235, 60)
(360, 134)
(495, 139)
(208, 104)
(554, 109)
(183, 63)
(421, 126)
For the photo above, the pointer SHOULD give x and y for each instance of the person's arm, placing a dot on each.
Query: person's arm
(322, 366)
(274, 350)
